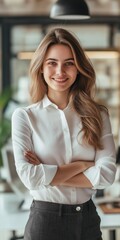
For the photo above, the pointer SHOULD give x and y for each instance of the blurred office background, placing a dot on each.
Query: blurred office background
(23, 24)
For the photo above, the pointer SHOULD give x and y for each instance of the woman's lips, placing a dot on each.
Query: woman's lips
(60, 80)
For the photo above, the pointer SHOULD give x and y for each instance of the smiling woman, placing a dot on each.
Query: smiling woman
(63, 144)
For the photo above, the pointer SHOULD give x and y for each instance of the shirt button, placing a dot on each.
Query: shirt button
(78, 208)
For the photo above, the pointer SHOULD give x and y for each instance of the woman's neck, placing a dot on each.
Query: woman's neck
(60, 99)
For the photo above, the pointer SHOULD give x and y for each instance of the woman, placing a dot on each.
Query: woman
(63, 145)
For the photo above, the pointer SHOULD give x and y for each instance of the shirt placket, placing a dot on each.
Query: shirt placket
(67, 138)
(68, 150)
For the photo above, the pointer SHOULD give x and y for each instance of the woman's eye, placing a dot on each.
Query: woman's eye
(52, 63)
(69, 63)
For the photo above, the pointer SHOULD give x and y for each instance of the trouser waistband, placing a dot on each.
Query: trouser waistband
(60, 208)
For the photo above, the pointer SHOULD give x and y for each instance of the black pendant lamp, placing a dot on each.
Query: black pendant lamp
(70, 10)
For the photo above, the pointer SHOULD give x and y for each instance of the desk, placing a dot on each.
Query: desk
(109, 221)
(12, 218)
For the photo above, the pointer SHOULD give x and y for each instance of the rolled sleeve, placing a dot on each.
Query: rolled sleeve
(32, 176)
(102, 174)
(49, 173)
(35, 176)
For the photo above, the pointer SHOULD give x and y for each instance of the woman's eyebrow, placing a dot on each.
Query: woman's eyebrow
(54, 59)
(69, 59)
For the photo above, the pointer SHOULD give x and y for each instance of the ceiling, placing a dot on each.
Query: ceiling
(42, 7)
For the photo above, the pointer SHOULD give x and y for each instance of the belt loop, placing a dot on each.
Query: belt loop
(60, 210)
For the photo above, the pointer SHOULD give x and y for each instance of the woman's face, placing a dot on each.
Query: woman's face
(59, 68)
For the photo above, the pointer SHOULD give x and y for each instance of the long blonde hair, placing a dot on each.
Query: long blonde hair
(81, 91)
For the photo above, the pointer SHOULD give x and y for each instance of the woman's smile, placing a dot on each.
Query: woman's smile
(60, 80)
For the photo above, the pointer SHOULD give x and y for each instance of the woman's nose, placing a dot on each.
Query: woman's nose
(60, 69)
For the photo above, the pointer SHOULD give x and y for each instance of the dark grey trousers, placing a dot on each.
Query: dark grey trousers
(52, 221)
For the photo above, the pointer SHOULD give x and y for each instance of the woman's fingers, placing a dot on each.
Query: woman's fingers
(32, 158)
(33, 162)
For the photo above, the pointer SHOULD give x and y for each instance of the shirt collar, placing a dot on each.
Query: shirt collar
(47, 102)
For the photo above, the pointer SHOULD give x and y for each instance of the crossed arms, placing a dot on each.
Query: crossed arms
(67, 175)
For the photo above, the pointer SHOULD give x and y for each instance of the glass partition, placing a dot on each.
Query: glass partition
(24, 41)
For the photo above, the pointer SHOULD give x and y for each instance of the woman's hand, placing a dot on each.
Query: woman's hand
(68, 171)
(32, 158)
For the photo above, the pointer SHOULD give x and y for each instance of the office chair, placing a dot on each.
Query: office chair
(14, 237)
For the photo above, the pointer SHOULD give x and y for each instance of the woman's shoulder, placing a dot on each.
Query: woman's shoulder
(24, 111)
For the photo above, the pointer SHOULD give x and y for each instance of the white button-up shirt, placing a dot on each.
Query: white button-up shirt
(53, 135)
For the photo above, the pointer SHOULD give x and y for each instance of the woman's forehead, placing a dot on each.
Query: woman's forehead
(62, 50)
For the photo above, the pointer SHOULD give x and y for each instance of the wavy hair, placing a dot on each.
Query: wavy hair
(83, 89)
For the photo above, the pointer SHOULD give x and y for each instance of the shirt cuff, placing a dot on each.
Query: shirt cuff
(93, 175)
(49, 173)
